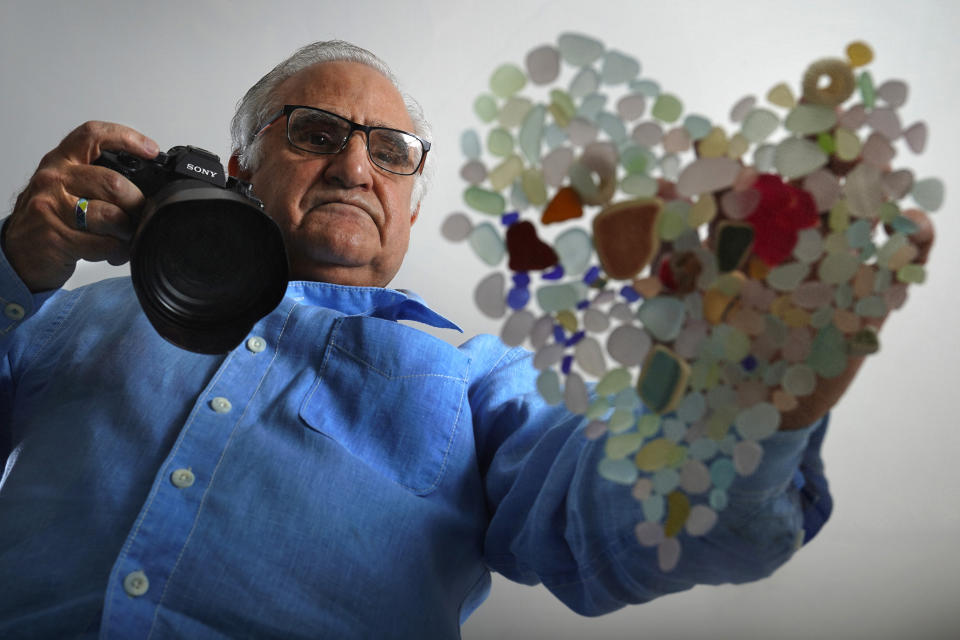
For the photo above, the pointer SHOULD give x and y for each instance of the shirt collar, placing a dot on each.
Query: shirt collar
(377, 302)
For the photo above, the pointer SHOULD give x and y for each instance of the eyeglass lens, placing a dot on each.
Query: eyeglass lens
(320, 132)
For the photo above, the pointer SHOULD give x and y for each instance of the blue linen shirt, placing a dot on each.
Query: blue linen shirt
(338, 475)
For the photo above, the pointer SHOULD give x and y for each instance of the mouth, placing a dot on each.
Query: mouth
(344, 206)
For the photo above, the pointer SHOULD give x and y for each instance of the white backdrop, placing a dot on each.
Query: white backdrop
(886, 566)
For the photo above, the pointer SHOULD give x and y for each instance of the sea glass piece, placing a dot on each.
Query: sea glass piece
(893, 93)
(474, 172)
(807, 119)
(667, 108)
(763, 157)
(631, 106)
(786, 277)
(562, 107)
(734, 243)
(628, 345)
(505, 173)
(575, 249)
(588, 355)
(582, 131)
(839, 87)
(877, 151)
(672, 222)
(595, 321)
(556, 164)
(647, 134)
(556, 297)
(662, 380)
(543, 64)
(527, 252)
(782, 96)
(678, 508)
(742, 107)
(707, 174)
(484, 200)
(548, 384)
(489, 295)
(576, 397)
(565, 205)
(517, 327)
(619, 471)
(897, 184)
(859, 53)
(886, 122)
(618, 68)
(668, 554)
(912, 273)
(531, 133)
(625, 238)
(697, 126)
(579, 50)
(506, 80)
(916, 137)
(500, 142)
(797, 157)
(746, 457)
(487, 244)
(864, 342)
(639, 185)
(757, 422)
(867, 91)
(828, 353)
(759, 124)
(863, 191)
(554, 136)
(513, 111)
(799, 380)
(548, 356)
(847, 144)
(584, 82)
(456, 227)
(485, 106)
(928, 193)
(612, 126)
(824, 187)
(591, 106)
(676, 140)
(655, 455)
(701, 520)
(663, 317)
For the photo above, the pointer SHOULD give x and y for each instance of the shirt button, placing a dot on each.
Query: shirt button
(256, 344)
(14, 311)
(136, 583)
(182, 478)
(221, 405)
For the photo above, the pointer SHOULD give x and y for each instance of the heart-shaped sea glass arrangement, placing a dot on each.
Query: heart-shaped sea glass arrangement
(683, 284)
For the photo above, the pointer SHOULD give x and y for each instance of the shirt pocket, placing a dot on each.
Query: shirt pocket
(392, 396)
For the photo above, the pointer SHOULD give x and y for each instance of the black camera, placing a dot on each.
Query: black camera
(206, 261)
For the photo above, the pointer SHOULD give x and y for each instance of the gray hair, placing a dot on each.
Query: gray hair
(259, 103)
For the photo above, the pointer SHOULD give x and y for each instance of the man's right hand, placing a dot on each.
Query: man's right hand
(41, 240)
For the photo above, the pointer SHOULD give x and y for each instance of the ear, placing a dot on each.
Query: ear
(414, 214)
(233, 168)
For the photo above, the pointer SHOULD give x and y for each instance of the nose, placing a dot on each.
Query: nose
(351, 167)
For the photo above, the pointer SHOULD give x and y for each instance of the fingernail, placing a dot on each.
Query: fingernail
(151, 147)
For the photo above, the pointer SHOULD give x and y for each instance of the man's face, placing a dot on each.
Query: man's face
(343, 219)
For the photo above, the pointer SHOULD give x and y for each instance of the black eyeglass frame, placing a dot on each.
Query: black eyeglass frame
(354, 126)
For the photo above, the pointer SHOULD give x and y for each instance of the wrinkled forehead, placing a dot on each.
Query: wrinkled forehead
(350, 89)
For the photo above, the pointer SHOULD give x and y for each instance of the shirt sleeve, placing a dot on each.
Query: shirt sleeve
(17, 306)
(555, 520)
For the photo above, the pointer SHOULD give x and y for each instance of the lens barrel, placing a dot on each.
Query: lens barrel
(206, 265)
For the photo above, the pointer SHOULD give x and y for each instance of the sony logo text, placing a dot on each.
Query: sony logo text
(199, 169)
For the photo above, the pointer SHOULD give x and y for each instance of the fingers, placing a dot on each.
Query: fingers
(923, 237)
(85, 143)
(42, 241)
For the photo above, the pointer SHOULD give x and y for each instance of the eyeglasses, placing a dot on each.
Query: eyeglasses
(317, 131)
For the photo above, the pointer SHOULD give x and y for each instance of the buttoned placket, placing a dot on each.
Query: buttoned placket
(156, 541)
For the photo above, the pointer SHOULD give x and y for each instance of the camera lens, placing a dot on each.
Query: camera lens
(207, 265)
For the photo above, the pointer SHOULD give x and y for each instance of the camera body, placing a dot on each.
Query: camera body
(206, 261)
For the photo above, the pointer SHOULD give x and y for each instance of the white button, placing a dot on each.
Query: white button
(136, 583)
(182, 478)
(221, 405)
(14, 311)
(256, 344)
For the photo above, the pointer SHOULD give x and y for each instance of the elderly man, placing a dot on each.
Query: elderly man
(338, 474)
